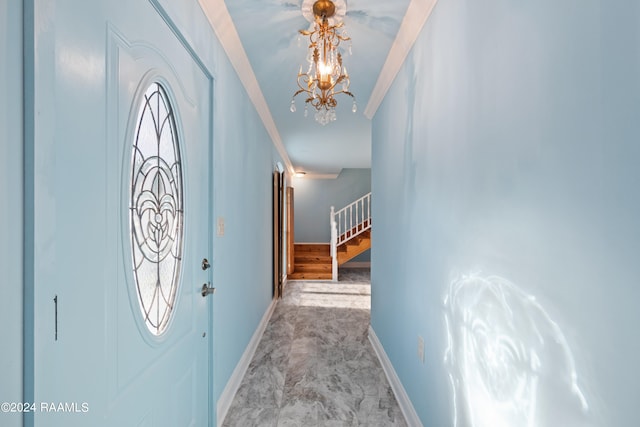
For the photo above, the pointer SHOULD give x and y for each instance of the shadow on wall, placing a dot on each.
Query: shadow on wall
(508, 362)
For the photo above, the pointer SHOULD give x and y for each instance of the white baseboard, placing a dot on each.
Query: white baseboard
(406, 406)
(230, 390)
(356, 264)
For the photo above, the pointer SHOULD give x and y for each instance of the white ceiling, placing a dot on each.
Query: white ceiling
(261, 39)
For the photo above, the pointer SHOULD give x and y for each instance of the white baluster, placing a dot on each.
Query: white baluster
(353, 216)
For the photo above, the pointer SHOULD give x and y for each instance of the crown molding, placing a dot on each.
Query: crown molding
(417, 14)
(218, 15)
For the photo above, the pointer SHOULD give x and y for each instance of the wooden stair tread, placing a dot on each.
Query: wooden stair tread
(312, 267)
(305, 261)
(312, 247)
(312, 261)
(356, 241)
(309, 276)
(355, 246)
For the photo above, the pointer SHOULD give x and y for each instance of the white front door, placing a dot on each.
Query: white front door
(121, 196)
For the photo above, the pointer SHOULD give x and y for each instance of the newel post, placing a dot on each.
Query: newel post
(334, 242)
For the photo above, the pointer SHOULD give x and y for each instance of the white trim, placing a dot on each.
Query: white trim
(218, 15)
(356, 264)
(230, 390)
(409, 412)
(333, 251)
(417, 14)
(311, 175)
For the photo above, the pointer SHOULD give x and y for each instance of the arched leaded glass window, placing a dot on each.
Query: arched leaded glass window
(156, 209)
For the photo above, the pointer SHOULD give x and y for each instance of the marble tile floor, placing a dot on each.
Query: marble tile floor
(314, 365)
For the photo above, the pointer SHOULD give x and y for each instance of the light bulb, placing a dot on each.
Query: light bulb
(324, 68)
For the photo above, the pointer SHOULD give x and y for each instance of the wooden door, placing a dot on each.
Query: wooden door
(278, 241)
(290, 232)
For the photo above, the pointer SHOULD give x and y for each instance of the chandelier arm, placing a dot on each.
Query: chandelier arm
(324, 93)
(346, 92)
(343, 78)
(302, 77)
(298, 93)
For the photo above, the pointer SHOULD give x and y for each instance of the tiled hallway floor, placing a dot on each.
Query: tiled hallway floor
(314, 365)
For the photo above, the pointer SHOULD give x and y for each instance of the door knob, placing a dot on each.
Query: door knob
(207, 290)
(205, 264)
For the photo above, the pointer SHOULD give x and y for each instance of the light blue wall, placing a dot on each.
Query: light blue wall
(11, 187)
(242, 257)
(313, 199)
(505, 179)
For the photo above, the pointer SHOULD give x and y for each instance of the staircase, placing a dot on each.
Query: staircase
(312, 261)
(350, 236)
(350, 232)
(351, 247)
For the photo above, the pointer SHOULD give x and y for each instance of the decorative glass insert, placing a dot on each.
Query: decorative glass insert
(156, 209)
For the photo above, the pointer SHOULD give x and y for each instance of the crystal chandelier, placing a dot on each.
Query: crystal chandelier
(326, 75)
